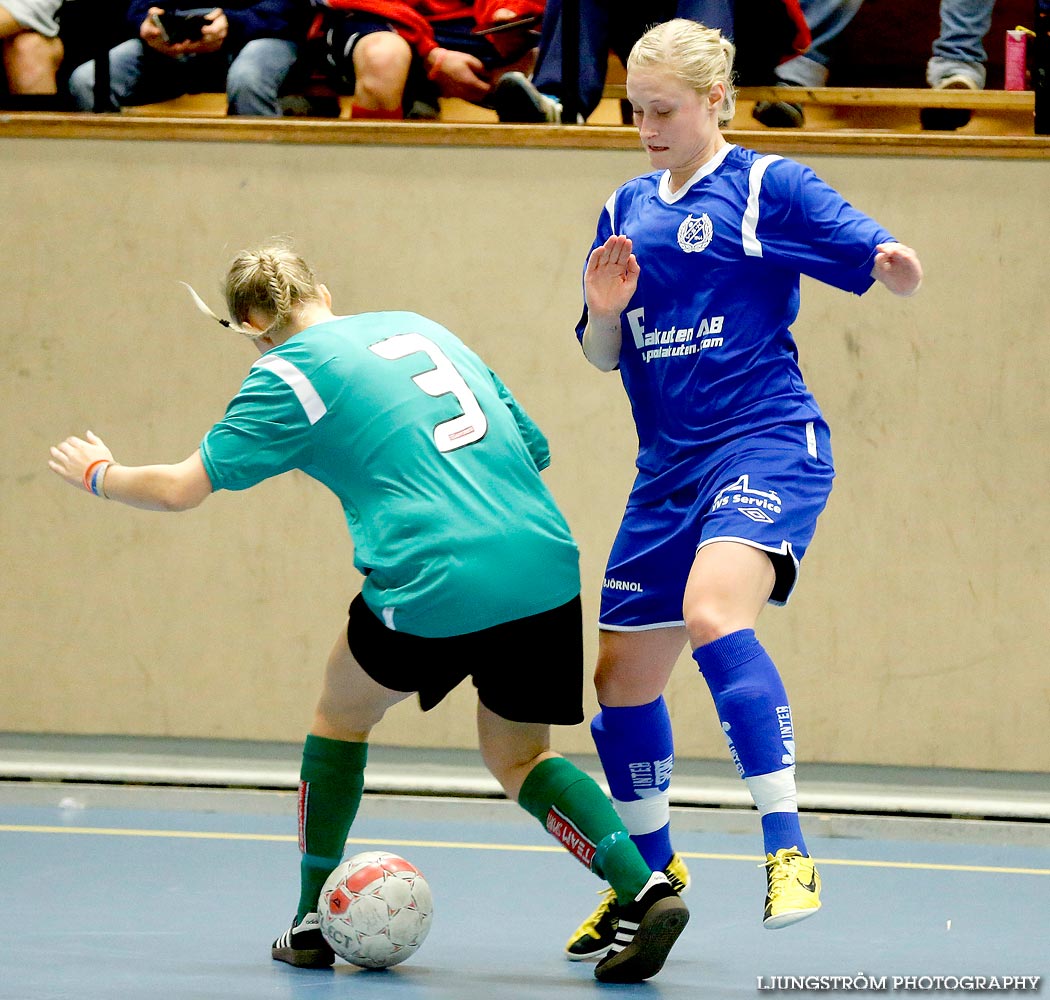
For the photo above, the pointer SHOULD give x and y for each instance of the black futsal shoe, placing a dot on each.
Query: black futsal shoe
(595, 936)
(303, 945)
(646, 930)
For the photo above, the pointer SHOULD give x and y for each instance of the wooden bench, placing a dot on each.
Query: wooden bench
(995, 112)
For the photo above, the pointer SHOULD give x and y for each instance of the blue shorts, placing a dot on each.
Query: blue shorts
(766, 491)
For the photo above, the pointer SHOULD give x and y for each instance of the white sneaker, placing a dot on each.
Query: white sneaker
(515, 99)
(957, 81)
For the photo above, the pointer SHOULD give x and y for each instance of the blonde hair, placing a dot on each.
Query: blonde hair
(272, 281)
(700, 57)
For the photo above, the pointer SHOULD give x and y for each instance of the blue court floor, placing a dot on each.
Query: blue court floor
(129, 892)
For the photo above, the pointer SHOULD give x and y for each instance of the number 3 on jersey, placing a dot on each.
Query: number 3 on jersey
(443, 378)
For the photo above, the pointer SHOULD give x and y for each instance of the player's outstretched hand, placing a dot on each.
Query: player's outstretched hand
(71, 458)
(898, 268)
(611, 278)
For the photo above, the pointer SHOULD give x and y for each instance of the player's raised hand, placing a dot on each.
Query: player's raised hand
(898, 268)
(611, 277)
(72, 458)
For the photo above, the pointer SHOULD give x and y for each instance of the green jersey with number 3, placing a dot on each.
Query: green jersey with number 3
(435, 463)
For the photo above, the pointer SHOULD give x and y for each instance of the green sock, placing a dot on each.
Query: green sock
(576, 812)
(331, 781)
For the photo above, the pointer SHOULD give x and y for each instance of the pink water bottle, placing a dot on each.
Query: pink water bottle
(1016, 46)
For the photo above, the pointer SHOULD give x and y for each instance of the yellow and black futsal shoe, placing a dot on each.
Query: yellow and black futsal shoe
(646, 930)
(792, 888)
(594, 937)
(303, 945)
(677, 874)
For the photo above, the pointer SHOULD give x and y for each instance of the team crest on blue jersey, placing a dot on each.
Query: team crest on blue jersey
(694, 234)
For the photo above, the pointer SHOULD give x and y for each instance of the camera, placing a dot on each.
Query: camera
(181, 25)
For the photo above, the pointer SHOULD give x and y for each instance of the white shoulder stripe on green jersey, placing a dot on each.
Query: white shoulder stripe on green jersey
(752, 247)
(312, 403)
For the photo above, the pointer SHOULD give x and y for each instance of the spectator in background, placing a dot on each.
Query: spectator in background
(826, 20)
(958, 59)
(766, 32)
(397, 57)
(245, 49)
(32, 49)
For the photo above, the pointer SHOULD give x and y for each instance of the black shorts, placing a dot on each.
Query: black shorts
(526, 670)
(334, 50)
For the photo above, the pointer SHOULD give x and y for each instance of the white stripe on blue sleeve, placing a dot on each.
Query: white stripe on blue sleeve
(610, 207)
(749, 226)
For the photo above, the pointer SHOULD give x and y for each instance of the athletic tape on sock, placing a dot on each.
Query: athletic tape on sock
(647, 815)
(774, 792)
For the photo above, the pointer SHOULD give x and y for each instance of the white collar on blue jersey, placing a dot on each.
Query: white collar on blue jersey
(709, 167)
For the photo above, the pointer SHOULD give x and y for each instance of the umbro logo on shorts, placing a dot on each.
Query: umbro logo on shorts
(758, 505)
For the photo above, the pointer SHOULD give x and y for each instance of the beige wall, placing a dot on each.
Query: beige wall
(918, 634)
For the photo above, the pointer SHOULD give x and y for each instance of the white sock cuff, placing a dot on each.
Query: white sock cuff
(774, 792)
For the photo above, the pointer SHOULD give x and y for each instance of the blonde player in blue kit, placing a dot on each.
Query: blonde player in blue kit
(691, 288)
(470, 569)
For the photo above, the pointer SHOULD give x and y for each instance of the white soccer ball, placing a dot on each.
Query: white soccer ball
(375, 909)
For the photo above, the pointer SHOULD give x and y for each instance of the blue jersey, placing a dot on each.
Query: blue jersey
(707, 354)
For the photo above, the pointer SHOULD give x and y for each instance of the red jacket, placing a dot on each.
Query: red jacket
(775, 30)
(803, 39)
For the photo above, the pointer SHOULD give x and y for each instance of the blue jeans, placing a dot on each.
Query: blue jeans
(605, 25)
(251, 79)
(958, 50)
(826, 20)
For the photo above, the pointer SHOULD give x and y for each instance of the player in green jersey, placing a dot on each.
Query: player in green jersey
(469, 567)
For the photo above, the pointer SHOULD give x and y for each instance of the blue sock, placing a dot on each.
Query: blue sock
(781, 829)
(753, 708)
(636, 749)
